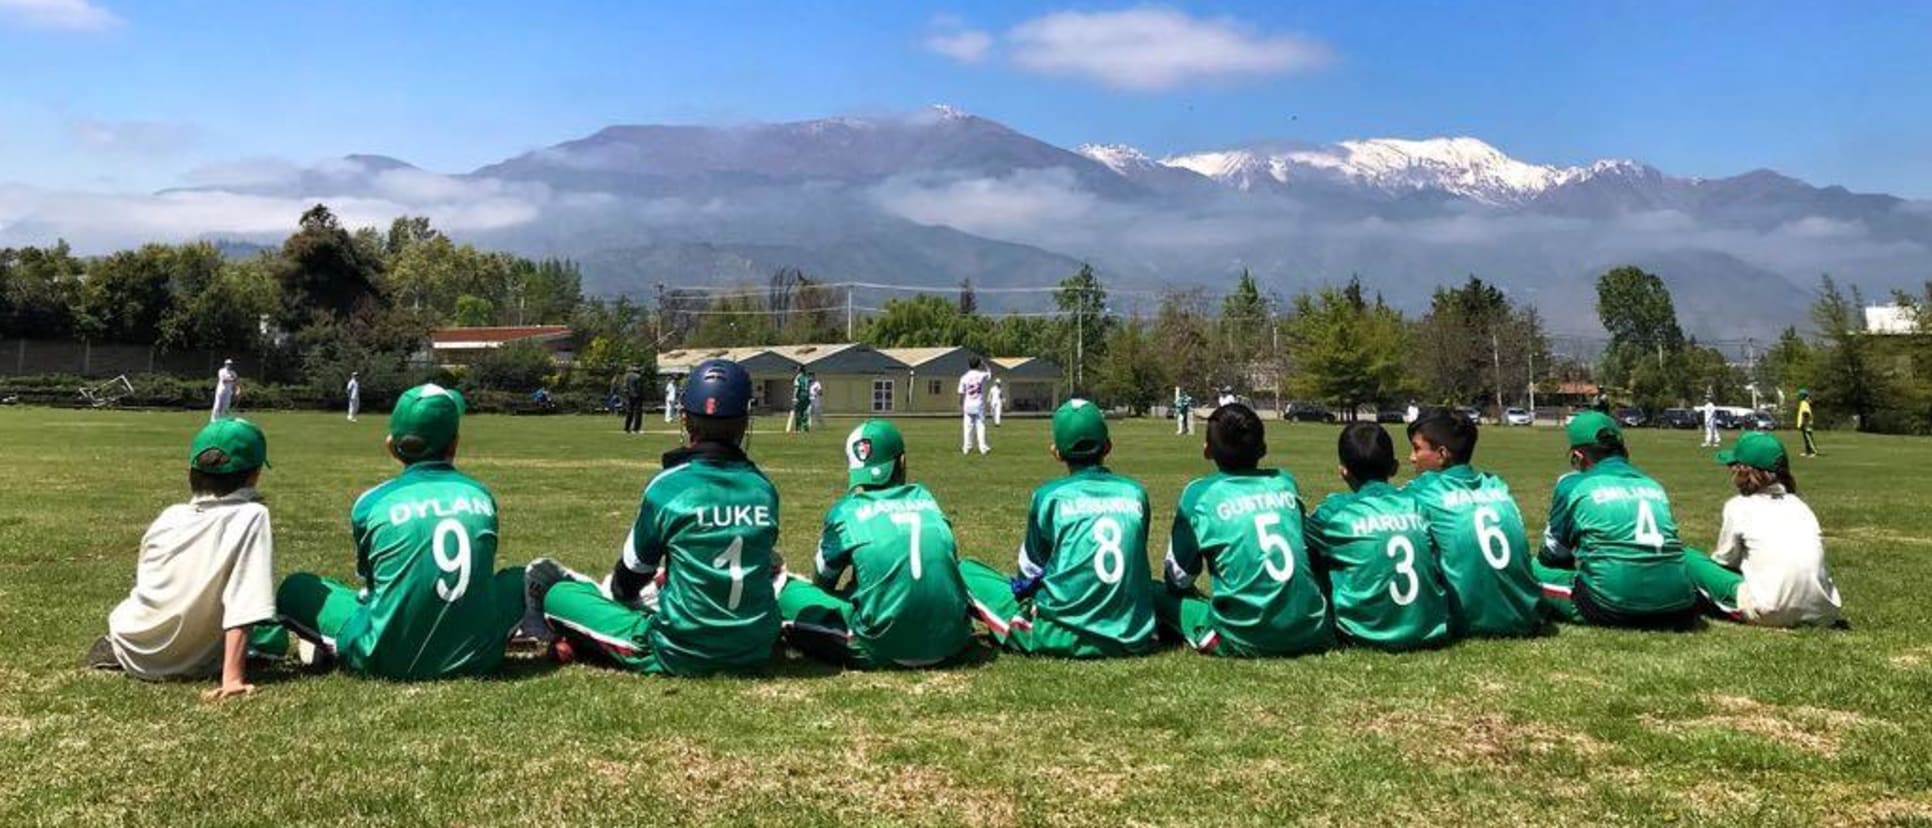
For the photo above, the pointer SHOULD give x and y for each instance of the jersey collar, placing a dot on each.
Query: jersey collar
(708, 451)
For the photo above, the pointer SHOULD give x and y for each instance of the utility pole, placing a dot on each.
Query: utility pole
(1079, 342)
(1532, 383)
(657, 332)
(848, 314)
(1496, 354)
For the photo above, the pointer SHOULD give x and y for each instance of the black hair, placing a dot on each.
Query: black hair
(729, 430)
(1605, 448)
(974, 363)
(1235, 437)
(215, 484)
(1366, 452)
(1450, 431)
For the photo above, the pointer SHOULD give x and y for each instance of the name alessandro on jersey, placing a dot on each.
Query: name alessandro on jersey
(1081, 506)
(893, 507)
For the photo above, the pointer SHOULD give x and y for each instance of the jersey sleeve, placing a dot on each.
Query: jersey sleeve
(1183, 564)
(834, 553)
(249, 595)
(1559, 532)
(360, 531)
(1036, 547)
(643, 549)
(1729, 550)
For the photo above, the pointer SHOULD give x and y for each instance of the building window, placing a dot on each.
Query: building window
(932, 387)
(881, 395)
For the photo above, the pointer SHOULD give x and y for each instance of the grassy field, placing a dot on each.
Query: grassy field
(1582, 726)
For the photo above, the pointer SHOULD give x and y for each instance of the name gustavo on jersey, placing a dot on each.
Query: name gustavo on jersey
(1247, 504)
(407, 511)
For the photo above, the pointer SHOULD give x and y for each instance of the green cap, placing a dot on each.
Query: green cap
(424, 421)
(1755, 449)
(1803, 393)
(1587, 428)
(1079, 430)
(227, 446)
(870, 451)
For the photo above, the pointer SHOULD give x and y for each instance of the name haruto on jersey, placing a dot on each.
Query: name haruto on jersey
(1386, 523)
(1234, 507)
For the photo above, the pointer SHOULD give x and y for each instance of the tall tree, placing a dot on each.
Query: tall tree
(1183, 336)
(1645, 355)
(1130, 373)
(1847, 378)
(1244, 323)
(325, 272)
(43, 287)
(968, 300)
(1085, 321)
(1348, 350)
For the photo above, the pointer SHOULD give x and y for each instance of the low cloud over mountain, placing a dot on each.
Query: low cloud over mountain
(939, 196)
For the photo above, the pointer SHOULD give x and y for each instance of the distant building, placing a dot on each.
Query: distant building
(1891, 319)
(859, 380)
(463, 346)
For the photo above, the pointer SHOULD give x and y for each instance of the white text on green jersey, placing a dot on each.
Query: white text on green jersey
(733, 515)
(1078, 506)
(402, 513)
(1611, 494)
(891, 507)
(1248, 504)
(1376, 524)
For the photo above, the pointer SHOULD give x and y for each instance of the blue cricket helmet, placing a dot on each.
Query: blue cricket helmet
(718, 388)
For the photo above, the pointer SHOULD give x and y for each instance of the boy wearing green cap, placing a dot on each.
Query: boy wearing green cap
(1372, 545)
(430, 606)
(907, 606)
(1611, 554)
(204, 585)
(1244, 525)
(1083, 590)
(1476, 528)
(1768, 567)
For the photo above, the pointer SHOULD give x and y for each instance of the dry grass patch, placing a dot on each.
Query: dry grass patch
(1815, 730)
(1460, 737)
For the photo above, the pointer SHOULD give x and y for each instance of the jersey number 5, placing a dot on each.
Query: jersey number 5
(1272, 541)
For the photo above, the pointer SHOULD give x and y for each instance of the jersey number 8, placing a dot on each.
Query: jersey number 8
(1110, 561)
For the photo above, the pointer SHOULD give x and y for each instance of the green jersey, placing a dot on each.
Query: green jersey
(1373, 544)
(802, 389)
(710, 520)
(1086, 551)
(1246, 529)
(1483, 550)
(426, 553)
(1615, 523)
(909, 606)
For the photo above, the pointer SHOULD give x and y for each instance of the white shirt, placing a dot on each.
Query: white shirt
(1710, 412)
(206, 566)
(670, 391)
(1226, 399)
(972, 386)
(225, 380)
(816, 390)
(355, 389)
(993, 395)
(1773, 538)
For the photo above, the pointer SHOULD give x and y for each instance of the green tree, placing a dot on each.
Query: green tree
(1785, 366)
(1183, 336)
(921, 321)
(1347, 350)
(43, 287)
(1085, 321)
(521, 366)
(1240, 341)
(1847, 377)
(473, 312)
(127, 295)
(1130, 372)
(1646, 343)
(219, 304)
(325, 272)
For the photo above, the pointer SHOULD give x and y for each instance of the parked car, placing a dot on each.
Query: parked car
(1307, 412)
(1630, 417)
(1391, 415)
(1678, 418)
(1725, 419)
(1518, 417)
(1474, 414)
(1760, 421)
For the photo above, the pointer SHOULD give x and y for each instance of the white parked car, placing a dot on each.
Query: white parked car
(1518, 417)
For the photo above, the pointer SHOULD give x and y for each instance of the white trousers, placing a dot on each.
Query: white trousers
(224, 402)
(973, 426)
(355, 405)
(1711, 437)
(997, 408)
(670, 409)
(1184, 422)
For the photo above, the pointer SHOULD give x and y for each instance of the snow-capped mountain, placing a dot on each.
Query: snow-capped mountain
(1462, 166)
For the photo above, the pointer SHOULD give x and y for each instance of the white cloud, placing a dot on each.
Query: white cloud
(1151, 49)
(130, 137)
(968, 46)
(60, 15)
(1016, 204)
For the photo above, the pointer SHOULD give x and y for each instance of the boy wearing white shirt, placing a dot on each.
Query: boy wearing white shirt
(1768, 567)
(972, 395)
(354, 390)
(996, 397)
(1709, 412)
(227, 382)
(204, 586)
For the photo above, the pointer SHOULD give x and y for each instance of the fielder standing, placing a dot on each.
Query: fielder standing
(996, 397)
(1709, 412)
(972, 394)
(1806, 422)
(227, 382)
(671, 400)
(355, 395)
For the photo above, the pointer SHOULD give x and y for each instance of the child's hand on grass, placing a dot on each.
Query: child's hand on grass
(228, 691)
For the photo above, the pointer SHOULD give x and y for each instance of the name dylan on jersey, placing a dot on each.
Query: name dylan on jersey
(402, 513)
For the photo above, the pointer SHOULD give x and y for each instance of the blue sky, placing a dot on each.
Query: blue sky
(115, 95)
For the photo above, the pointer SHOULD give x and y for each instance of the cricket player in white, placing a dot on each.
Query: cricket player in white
(1709, 411)
(972, 392)
(818, 400)
(996, 397)
(225, 382)
(670, 399)
(355, 396)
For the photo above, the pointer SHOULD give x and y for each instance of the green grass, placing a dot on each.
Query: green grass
(1584, 726)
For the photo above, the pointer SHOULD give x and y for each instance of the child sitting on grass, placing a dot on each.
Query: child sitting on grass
(1768, 567)
(206, 576)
